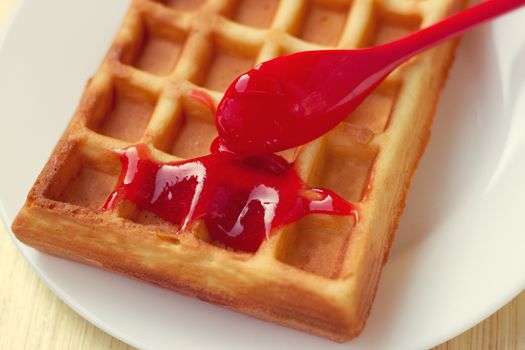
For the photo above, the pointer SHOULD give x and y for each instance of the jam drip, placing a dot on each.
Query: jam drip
(240, 202)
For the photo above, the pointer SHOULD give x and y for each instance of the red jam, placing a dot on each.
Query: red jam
(291, 100)
(240, 202)
(242, 191)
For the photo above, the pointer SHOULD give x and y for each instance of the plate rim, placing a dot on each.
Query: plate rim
(5, 221)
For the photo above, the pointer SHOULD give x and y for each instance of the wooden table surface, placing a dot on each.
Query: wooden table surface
(32, 317)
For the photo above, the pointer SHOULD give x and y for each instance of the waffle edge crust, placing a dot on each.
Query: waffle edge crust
(318, 275)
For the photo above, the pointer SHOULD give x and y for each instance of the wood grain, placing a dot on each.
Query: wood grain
(32, 317)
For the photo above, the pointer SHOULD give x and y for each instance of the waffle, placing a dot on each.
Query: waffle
(317, 275)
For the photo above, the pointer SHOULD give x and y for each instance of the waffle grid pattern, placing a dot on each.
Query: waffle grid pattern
(166, 49)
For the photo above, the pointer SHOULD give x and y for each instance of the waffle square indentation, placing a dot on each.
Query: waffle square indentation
(226, 61)
(254, 13)
(354, 168)
(191, 131)
(323, 22)
(155, 49)
(374, 112)
(127, 117)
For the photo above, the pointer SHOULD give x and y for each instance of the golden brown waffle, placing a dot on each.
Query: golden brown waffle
(318, 275)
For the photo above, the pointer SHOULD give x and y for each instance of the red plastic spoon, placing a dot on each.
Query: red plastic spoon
(291, 100)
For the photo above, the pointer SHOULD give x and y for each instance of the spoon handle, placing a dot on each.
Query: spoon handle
(405, 48)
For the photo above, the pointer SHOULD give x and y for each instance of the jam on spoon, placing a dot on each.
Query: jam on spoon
(291, 100)
(242, 191)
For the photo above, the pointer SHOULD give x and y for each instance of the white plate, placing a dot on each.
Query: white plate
(459, 254)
